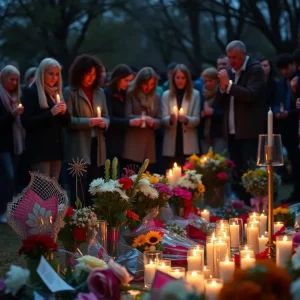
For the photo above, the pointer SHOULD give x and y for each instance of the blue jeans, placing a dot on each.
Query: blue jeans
(6, 180)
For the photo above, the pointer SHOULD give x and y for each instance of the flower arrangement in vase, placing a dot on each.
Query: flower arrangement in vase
(150, 241)
(216, 170)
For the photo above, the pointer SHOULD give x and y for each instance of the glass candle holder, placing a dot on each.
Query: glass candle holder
(220, 253)
(247, 260)
(222, 221)
(207, 272)
(210, 252)
(262, 153)
(277, 226)
(226, 235)
(196, 279)
(226, 268)
(252, 235)
(245, 249)
(164, 266)
(195, 258)
(263, 223)
(236, 231)
(177, 272)
(151, 260)
(284, 247)
(253, 214)
(102, 231)
(262, 243)
(212, 288)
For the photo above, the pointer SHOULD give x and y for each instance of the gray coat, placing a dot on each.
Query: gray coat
(191, 107)
(79, 134)
(140, 142)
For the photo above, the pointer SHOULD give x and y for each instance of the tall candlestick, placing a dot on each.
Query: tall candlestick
(98, 112)
(175, 110)
(57, 98)
(270, 128)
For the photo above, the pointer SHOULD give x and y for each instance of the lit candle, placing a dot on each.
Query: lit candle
(277, 226)
(98, 112)
(57, 98)
(247, 262)
(164, 266)
(176, 171)
(133, 294)
(284, 246)
(262, 223)
(149, 273)
(170, 177)
(20, 105)
(196, 279)
(175, 110)
(220, 253)
(177, 272)
(270, 128)
(205, 214)
(226, 269)
(244, 250)
(194, 260)
(210, 252)
(207, 272)
(262, 242)
(213, 287)
(181, 113)
(252, 236)
(234, 234)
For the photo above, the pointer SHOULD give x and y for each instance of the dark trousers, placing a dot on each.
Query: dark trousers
(243, 153)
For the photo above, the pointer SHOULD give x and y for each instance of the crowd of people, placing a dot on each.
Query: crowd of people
(133, 116)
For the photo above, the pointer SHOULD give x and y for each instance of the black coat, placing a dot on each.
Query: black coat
(6, 129)
(44, 132)
(115, 135)
(249, 99)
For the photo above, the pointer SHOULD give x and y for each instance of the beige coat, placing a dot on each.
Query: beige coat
(140, 142)
(191, 110)
(79, 134)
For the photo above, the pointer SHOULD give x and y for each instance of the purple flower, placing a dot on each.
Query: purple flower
(296, 238)
(182, 193)
(163, 189)
(86, 296)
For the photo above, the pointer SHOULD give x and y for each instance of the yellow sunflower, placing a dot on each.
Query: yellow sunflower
(139, 241)
(153, 179)
(201, 188)
(153, 237)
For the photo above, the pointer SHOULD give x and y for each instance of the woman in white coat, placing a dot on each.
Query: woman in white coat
(180, 117)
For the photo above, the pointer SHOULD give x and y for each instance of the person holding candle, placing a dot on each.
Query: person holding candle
(44, 119)
(142, 99)
(85, 135)
(211, 127)
(12, 134)
(241, 95)
(181, 138)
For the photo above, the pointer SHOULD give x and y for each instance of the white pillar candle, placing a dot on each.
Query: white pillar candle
(262, 224)
(57, 98)
(234, 235)
(226, 270)
(98, 112)
(177, 272)
(262, 241)
(277, 226)
(205, 214)
(247, 262)
(210, 252)
(220, 253)
(164, 266)
(195, 259)
(175, 110)
(176, 171)
(207, 272)
(196, 279)
(244, 250)
(181, 112)
(270, 127)
(149, 273)
(284, 246)
(170, 176)
(213, 287)
(252, 237)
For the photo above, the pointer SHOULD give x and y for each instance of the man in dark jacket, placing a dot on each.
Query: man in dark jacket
(241, 95)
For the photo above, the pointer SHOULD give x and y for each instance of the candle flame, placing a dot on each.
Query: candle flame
(246, 247)
(170, 172)
(197, 248)
(233, 223)
(194, 273)
(163, 264)
(262, 236)
(177, 271)
(213, 282)
(248, 255)
(151, 262)
(98, 108)
(204, 268)
(227, 259)
(20, 104)
(194, 253)
(285, 238)
(175, 165)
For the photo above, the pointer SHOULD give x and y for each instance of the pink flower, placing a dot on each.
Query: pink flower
(188, 166)
(182, 193)
(222, 176)
(85, 296)
(104, 284)
(230, 163)
(120, 272)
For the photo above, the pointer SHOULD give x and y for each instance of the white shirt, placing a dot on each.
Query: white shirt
(231, 123)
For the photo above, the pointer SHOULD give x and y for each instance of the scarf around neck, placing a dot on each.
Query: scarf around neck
(52, 91)
(147, 102)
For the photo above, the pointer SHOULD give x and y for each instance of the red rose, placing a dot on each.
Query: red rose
(70, 211)
(222, 176)
(126, 182)
(130, 214)
(79, 234)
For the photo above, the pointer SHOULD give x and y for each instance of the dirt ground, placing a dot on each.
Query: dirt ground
(10, 243)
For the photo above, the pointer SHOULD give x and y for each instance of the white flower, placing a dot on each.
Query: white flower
(148, 191)
(81, 267)
(295, 289)
(16, 278)
(40, 220)
(296, 259)
(95, 185)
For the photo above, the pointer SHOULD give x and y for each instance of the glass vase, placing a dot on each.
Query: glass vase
(113, 238)
(214, 196)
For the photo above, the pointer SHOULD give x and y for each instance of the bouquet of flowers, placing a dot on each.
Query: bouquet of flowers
(176, 229)
(113, 197)
(79, 227)
(148, 242)
(283, 214)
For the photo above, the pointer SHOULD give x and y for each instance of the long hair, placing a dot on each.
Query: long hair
(272, 69)
(119, 72)
(82, 65)
(45, 65)
(5, 73)
(144, 75)
(189, 83)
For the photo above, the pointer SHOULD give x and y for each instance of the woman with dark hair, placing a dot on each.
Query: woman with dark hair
(270, 94)
(180, 116)
(115, 94)
(89, 117)
(142, 102)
